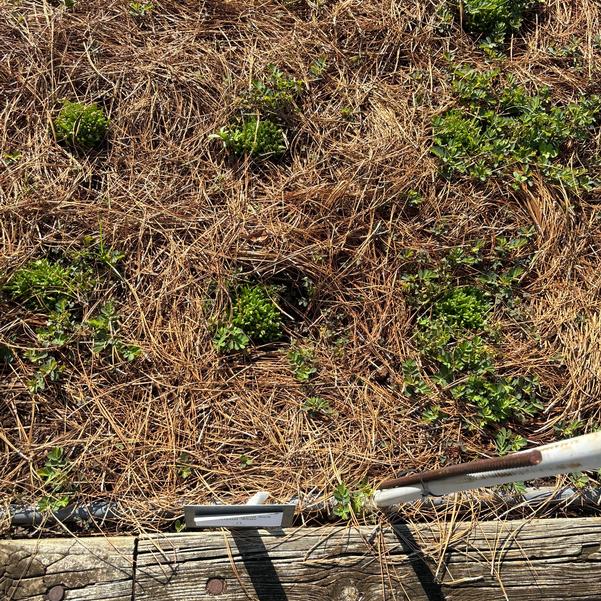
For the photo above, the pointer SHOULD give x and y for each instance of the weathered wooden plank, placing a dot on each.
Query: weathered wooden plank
(89, 569)
(544, 559)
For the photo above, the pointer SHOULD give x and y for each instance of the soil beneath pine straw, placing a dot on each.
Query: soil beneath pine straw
(189, 218)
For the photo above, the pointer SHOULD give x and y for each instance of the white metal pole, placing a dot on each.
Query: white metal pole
(563, 457)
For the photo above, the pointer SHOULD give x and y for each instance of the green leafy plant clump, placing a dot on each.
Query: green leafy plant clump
(508, 442)
(256, 314)
(351, 502)
(494, 20)
(455, 339)
(62, 332)
(81, 125)
(502, 131)
(258, 138)
(260, 130)
(274, 94)
(463, 307)
(302, 361)
(61, 289)
(316, 406)
(455, 348)
(229, 338)
(54, 475)
(254, 318)
(42, 283)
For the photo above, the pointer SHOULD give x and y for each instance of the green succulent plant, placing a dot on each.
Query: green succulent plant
(254, 318)
(81, 125)
(259, 138)
(256, 314)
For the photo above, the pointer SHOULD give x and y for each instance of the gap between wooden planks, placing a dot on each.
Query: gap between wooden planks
(519, 560)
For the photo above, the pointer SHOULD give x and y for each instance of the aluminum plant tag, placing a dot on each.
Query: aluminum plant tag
(239, 516)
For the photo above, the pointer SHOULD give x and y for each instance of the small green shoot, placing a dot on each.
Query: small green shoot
(349, 503)
(95, 250)
(245, 461)
(432, 414)
(513, 488)
(54, 477)
(59, 327)
(230, 338)
(53, 470)
(569, 429)
(316, 406)
(179, 526)
(53, 503)
(302, 362)
(579, 480)
(104, 328)
(347, 112)
(413, 384)
(49, 370)
(414, 199)
(140, 9)
(318, 67)
(184, 469)
(273, 95)
(8, 158)
(508, 442)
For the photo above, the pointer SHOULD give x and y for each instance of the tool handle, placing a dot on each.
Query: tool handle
(523, 459)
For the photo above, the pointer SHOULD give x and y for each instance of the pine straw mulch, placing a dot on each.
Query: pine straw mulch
(189, 219)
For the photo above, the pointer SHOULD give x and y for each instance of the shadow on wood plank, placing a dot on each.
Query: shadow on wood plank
(259, 567)
(432, 588)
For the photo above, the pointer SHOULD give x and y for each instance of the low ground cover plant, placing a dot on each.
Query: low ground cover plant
(81, 126)
(501, 130)
(274, 94)
(254, 318)
(302, 361)
(62, 288)
(55, 478)
(399, 314)
(255, 137)
(494, 20)
(42, 283)
(456, 344)
(317, 406)
(351, 502)
(260, 131)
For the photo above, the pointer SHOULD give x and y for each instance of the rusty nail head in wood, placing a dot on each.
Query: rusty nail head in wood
(215, 586)
(56, 593)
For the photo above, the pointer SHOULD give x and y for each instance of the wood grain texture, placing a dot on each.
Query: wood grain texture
(90, 569)
(550, 560)
(521, 561)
